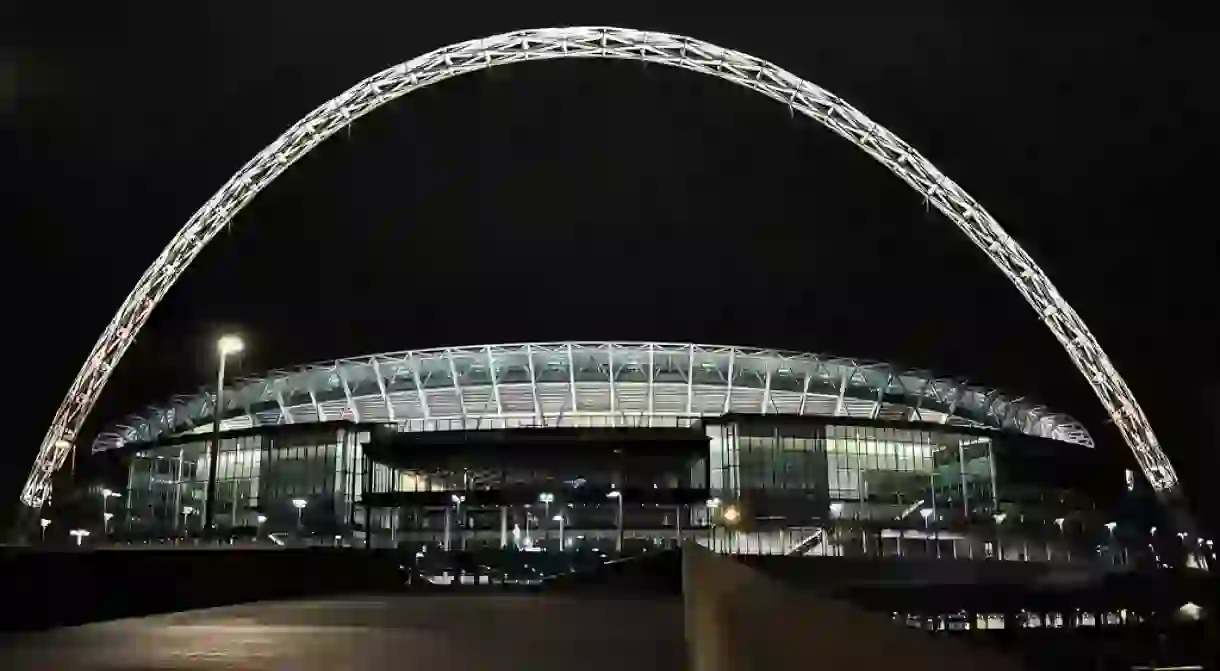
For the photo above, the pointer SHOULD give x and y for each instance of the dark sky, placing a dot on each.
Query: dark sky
(593, 200)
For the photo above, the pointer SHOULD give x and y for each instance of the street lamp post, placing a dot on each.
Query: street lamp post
(546, 498)
(616, 494)
(80, 534)
(836, 509)
(1059, 523)
(107, 494)
(1113, 555)
(300, 504)
(559, 518)
(999, 542)
(187, 511)
(229, 344)
(458, 499)
(44, 523)
(258, 531)
(926, 513)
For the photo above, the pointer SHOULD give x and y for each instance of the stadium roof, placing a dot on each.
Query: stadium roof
(590, 383)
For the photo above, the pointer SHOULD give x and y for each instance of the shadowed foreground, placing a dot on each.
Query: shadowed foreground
(454, 632)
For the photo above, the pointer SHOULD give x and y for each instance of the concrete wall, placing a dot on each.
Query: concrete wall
(738, 619)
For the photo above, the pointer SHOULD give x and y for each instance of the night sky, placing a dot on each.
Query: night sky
(600, 200)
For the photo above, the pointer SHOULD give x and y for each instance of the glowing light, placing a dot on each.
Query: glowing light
(229, 344)
(731, 514)
(299, 503)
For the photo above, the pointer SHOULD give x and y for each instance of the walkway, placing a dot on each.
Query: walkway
(535, 633)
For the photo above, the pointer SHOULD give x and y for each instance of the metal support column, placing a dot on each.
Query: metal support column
(503, 527)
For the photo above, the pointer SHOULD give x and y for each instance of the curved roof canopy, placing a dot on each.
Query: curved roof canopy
(590, 383)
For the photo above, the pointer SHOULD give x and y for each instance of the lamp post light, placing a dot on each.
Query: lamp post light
(258, 530)
(226, 345)
(1110, 527)
(926, 514)
(999, 541)
(618, 495)
(457, 499)
(1059, 523)
(107, 494)
(559, 518)
(299, 504)
(187, 511)
(80, 534)
(44, 523)
(546, 498)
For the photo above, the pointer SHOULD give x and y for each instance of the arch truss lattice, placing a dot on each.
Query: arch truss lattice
(608, 43)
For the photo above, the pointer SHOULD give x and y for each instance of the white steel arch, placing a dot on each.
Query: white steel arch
(610, 43)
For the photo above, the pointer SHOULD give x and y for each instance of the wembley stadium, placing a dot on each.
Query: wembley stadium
(620, 447)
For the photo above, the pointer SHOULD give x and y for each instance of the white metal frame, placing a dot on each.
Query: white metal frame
(610, 43)
(763, 381)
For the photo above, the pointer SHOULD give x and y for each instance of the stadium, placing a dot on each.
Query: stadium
(624, 446)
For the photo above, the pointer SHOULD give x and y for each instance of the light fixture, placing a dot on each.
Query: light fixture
(836, 507)
(713, 502)
(546, 497)
(614, 495)
(731, 514)
(1000, 517)
(44, 522)
(1060, 520)
(299, 503)
(261, 518)
(229, 344)
(925, 512)
(1110, 525)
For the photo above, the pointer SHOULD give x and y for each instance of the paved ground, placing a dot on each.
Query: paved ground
(454, 633)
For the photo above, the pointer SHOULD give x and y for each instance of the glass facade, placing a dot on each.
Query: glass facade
(868, 489)
(258, 475)
(793, 486)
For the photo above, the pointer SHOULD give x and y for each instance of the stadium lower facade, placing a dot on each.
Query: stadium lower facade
(624, 446)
